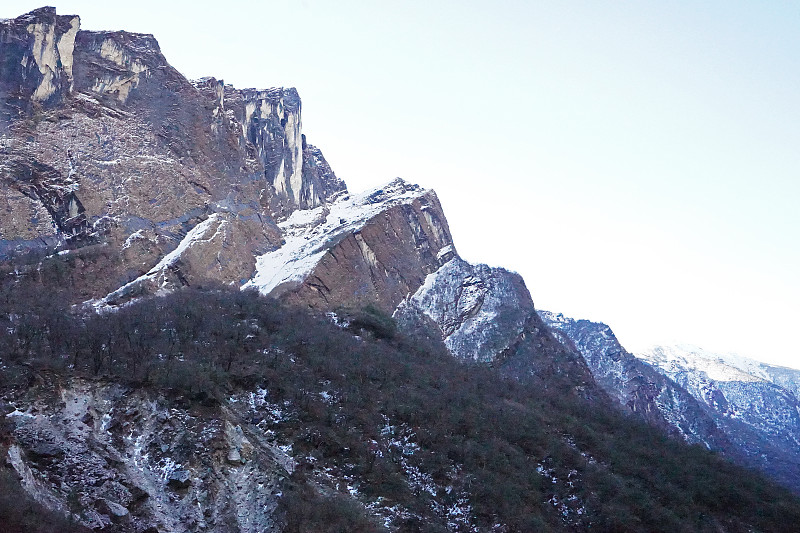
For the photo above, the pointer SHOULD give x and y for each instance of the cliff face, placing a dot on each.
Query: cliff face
(104, 142)
(37, 62)
(371, 248)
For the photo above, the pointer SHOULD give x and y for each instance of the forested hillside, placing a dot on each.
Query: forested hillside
(384, 431)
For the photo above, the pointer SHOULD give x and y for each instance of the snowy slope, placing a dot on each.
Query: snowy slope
(735, 387)
(635, 385)
(309, 234)
(743, 408)
(754, 403)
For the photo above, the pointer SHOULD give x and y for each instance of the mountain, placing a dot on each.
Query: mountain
(745, 409)
(756, 404)
(104, 143)
(636, 385)
(201, 328)
(188, 183)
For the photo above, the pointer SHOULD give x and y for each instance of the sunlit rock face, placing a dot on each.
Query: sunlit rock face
(370, 248)
(298, 173)
(37, 65)
(272, 124)
(104, 143)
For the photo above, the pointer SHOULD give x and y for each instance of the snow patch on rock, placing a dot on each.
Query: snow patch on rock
(480, 310)
(310, 233)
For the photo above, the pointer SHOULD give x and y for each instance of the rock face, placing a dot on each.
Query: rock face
(103, 141)
(37, 66)
(128, 460)
(486, 315)
(744, 409)
(186, 182)
(103, 145)
(371, 248)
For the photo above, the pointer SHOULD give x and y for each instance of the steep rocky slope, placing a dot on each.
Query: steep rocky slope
(222, 410)
(103, 141)
(636, 385)
(129, 459)
(486, 315)
(745, 409)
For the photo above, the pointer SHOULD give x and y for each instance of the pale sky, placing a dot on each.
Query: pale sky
(636, 162)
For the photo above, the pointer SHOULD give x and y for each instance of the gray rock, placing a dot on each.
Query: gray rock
(234, 457)
(486, 315)
(114, 510)
(179, 479)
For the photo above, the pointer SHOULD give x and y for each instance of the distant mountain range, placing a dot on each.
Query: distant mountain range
(741, 407)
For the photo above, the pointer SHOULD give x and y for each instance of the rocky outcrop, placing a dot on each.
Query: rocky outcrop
(271, 123)
(371, 248)
(129, 460)
(37, 66)
(220, 247)
(481, 311)
(486, 315)
(320, 184)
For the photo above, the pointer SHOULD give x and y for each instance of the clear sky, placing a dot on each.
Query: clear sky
(637, 162)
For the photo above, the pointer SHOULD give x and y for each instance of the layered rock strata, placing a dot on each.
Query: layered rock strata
(371, 248)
